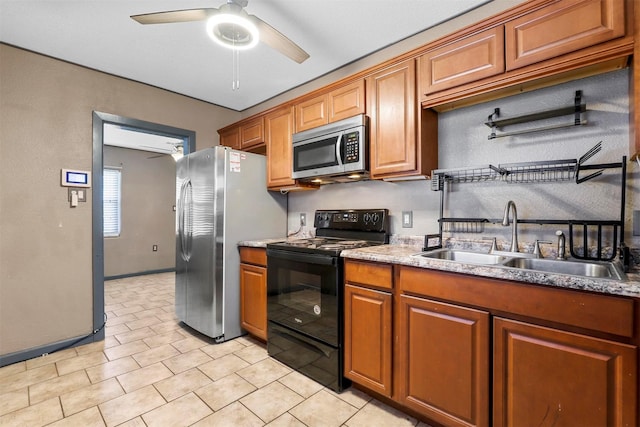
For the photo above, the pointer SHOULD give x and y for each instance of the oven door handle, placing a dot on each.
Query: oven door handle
(302, 257)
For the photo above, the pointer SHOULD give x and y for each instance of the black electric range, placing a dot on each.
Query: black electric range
(305, 304)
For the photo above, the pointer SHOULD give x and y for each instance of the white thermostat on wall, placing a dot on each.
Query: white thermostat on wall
(75, 178)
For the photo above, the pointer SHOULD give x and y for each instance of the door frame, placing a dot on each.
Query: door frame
(99, 120)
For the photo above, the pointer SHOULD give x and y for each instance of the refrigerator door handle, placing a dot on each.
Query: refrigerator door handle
(182, 218)
(188, 232)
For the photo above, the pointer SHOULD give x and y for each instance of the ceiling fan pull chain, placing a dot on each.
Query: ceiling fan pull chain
(235, 85)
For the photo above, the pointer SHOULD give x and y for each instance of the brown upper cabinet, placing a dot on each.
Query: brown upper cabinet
(230, 137)
(544, 42)
(403, 139)
(247, 135)
(345, 101)
(562, 27)
(464, 61)
(278, 126)
(252, 133)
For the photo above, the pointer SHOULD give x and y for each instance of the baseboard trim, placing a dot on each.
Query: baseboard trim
(142, 273)
(22, 355)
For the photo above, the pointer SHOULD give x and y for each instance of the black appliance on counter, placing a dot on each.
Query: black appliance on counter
(305, 295)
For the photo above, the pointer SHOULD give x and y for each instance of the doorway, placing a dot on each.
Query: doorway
(100, 119)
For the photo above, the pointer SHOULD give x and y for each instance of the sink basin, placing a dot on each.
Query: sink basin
(603, 270)
(463, 256)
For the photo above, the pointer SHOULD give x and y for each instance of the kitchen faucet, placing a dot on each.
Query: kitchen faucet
(514, 230)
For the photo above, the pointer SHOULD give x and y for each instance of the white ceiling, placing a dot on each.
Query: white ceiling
(181, 58)
(118, 136)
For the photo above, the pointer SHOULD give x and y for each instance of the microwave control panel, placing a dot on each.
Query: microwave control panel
(351, 147)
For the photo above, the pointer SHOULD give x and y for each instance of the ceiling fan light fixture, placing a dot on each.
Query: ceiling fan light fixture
(233, 31)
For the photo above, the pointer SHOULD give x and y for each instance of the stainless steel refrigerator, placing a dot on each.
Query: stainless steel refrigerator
(222, 199)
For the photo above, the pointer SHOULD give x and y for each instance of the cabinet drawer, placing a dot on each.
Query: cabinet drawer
(369, 274)
(596, 312)
(560, 28)
(256, 256)
(465, 61)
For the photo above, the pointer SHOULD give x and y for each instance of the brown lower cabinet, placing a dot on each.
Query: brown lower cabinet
(253, 291)
(473, 351)
(368, 338)
(443, 361)
(545, 376)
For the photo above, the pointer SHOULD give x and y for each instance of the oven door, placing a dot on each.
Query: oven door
(304, 293)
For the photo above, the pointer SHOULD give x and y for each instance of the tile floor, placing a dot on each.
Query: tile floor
(151, 371)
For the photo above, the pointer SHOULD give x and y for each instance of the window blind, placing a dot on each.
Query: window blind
(111, 201)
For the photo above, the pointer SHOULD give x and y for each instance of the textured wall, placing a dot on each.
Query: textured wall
(463, 142)
(45, 246)
(147, 216)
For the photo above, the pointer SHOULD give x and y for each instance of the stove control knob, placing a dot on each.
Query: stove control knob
(366, 217)
(375, 218)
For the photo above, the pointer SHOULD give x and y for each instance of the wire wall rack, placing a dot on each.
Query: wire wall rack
(584, 232)
(525, 172)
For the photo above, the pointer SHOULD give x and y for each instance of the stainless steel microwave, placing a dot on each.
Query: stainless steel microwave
(332, 150)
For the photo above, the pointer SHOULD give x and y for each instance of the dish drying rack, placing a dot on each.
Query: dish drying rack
(580, 231)
(525, 172)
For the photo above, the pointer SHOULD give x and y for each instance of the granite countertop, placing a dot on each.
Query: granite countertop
(399, 252)
(261, 243)
(402, 254)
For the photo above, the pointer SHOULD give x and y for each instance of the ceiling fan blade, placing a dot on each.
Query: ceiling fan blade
(187, 15)
(278, 41)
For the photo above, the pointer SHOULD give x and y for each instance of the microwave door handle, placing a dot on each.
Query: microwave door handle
(339, 153)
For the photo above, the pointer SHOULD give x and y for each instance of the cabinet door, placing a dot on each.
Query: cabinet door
(231, 138)
(368, 338)
(443, 361)
(253, 300)
(467, 60)
(311, 113)
(392, 105)
(562, 27)
(346, 101)
(252, 133)
(544, 376)
(278, 130)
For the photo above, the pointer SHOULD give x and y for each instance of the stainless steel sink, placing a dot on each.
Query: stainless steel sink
(463, 256)
(594, 269)
(603, 270)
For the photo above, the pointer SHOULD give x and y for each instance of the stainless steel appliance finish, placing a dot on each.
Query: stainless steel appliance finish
(221, 200)
(336, 149)
(305, 303)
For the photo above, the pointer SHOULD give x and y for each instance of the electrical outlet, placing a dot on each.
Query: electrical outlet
(303, 219)
(155, 248)
(407, 219)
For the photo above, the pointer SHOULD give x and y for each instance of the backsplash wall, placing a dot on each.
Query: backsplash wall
(463, 141)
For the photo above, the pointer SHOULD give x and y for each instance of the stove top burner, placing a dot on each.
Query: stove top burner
(317, 244)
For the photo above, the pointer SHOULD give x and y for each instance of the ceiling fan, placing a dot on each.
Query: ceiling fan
(232, 27)
(176, 150)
